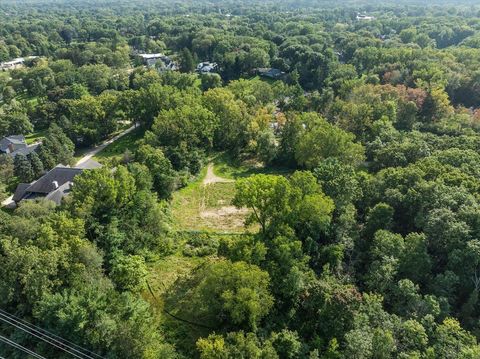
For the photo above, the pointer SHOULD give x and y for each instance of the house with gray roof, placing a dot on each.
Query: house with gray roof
(271, 73)
(16, 144)
(12, 143)
(54, 185)
(207, 67)
(165, 62)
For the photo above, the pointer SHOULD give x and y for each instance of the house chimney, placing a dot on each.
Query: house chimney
(10, 148)
(55, 184)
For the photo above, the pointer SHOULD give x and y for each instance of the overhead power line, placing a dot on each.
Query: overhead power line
(39, 336)
(51, 336)
(19, 347)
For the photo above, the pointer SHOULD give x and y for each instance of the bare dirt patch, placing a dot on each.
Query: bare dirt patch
(225, 217)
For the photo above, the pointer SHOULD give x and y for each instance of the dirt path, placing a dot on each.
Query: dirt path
(211, 177)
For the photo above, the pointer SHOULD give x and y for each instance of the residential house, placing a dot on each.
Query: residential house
(363, 17)
(15, 144)
(12, 143)
(270, 73)
(54, 185)
(15, 63)
(207, 67)
(165, 62)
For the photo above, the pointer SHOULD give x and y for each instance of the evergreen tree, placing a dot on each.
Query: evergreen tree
(23, 168)
(187, 62)
(36, 163)
(45, 155)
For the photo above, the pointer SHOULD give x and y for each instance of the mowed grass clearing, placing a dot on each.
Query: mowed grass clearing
(207, 207)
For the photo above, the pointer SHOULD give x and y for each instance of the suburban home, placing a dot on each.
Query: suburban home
(207, 67)
(15, 144)
(363, 17)
(12, 143)
(270, 73)
(54, 185)
(151, 60)
(15, 63)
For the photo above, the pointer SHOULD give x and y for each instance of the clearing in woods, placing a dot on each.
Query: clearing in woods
(206, 205)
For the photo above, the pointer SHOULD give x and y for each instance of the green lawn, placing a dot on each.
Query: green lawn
(35, 137)
(227, 167)
(116, 150)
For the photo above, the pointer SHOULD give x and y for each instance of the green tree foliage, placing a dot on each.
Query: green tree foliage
(187, 62)
(56, 148)
(14, 120)
(129, 272)
(315, 140)
(36, 163)
(229, 294)
(23, 169)
(366, 247)
(164, 180)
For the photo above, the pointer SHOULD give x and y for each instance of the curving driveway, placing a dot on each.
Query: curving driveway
(94, 150)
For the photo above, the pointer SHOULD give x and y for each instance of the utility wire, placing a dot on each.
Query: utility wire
(19, 347)
(52, 336)
(43, 338)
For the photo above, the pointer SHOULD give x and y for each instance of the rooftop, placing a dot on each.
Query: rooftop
(53, 179)
(16, 140)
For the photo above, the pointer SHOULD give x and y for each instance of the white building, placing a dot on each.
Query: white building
(166, 63)
(207, 67)
(363, 17)
(15, 63)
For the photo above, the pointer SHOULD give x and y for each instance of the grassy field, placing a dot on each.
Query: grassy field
(227, 167)
(207, 207)
(197, 207)
(163, 290)
(164, 273)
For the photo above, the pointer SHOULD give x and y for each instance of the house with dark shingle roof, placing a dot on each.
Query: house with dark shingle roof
(12, 143)
(16, 144)
(270, 73)
(207, 67)
(54, 185)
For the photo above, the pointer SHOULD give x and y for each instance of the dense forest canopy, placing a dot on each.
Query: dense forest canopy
(315, 193)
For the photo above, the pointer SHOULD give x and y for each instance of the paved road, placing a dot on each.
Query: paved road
(93, 151)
